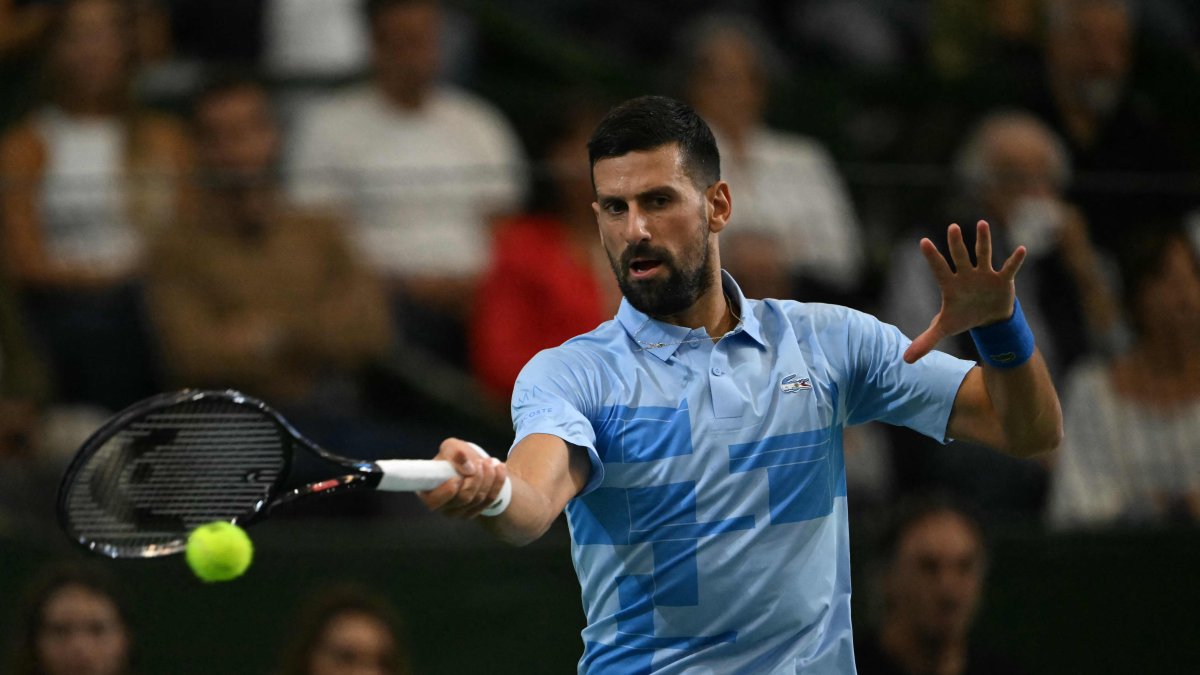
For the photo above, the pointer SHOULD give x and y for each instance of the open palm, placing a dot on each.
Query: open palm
(972, 295)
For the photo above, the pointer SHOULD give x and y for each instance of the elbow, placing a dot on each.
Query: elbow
(1043, 446)
(518, 539)
(1041, 441)
(521, 536)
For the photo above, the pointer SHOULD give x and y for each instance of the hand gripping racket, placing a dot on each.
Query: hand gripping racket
(168, 464)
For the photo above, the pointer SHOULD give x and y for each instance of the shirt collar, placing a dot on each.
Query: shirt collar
(664, 339)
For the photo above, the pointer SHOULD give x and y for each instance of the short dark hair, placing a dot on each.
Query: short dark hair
(1141, 256)
(913, 510)
(326, 605)
(51, 579)
(649, 122)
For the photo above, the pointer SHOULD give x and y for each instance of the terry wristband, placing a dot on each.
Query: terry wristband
(1006, 344)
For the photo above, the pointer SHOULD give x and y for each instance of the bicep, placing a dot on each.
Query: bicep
(556, 469)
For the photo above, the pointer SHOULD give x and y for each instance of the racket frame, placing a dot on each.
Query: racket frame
(361, 474)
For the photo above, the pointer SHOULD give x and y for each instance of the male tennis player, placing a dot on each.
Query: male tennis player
(696, 440)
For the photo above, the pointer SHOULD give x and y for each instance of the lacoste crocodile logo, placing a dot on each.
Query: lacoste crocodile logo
(793, 383)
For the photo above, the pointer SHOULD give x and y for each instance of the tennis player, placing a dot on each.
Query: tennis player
(695, 441)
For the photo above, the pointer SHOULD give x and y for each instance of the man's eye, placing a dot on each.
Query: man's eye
(615, 209)
(660, 201)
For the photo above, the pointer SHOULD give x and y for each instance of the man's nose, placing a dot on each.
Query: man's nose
(636, 226)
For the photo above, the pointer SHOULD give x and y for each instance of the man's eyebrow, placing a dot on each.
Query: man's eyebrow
(648, 192)
(658, 190)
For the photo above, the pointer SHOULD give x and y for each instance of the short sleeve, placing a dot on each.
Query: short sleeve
(883, 387)
(551, 397)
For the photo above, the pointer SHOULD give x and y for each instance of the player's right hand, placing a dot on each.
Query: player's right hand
(480, 478)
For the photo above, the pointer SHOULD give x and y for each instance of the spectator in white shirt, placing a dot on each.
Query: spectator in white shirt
(1132, 448)
(796, 220)
(419, 167)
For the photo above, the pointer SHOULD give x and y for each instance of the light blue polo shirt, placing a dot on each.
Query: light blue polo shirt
(712, 535)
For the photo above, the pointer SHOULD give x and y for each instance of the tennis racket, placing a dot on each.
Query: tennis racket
(168, 464)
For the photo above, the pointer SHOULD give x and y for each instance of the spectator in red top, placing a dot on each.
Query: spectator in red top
(548, 279)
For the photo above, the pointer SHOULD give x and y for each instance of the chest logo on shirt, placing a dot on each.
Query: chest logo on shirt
(793, 383)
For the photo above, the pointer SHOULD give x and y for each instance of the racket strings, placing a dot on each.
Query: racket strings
(170, 470)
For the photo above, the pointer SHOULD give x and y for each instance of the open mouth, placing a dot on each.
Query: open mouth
(644, 267)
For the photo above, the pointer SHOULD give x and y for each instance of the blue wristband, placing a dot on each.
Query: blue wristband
(1006, 344)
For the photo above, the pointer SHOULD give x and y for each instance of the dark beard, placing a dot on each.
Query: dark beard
(679, 290)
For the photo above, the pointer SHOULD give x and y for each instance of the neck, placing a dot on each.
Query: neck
(402, 97)
(1157, 356)
(88, 108)
(713, 311)
(245, 212)
(1167, 356)
(917, 654)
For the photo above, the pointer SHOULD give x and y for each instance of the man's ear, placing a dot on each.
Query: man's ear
(720, 205)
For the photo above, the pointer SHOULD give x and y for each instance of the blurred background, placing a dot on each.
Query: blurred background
(372, 213)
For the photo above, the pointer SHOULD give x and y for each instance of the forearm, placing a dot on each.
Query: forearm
(527, 517)
(1026, 407)
(545, 474)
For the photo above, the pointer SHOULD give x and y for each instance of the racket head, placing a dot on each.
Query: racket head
(168, 464)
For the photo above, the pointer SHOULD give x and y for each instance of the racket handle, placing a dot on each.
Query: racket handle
(414, 475)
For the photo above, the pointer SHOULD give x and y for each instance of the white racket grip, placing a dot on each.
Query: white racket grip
(413, 475)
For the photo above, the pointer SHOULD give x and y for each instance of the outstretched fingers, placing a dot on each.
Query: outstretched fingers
(983, 245)
(958, 248)
(1013, 264)
(937, 264)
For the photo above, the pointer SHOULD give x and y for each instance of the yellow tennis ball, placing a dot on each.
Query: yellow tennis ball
(219, 551)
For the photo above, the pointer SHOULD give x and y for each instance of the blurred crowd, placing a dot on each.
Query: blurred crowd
(372, 213)
(76, 618)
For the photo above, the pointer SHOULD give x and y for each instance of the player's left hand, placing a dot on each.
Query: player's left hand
(972, 295)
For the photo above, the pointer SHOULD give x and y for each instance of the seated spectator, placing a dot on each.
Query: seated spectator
(419, 167)
(549, 279)
(1132, 425)
(74, 621)
(798, 223)
(934, 559)
(256, 294)
(984, 38)
(87, 176)
(1012, 171)
(1089, 95)
(344, 630)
